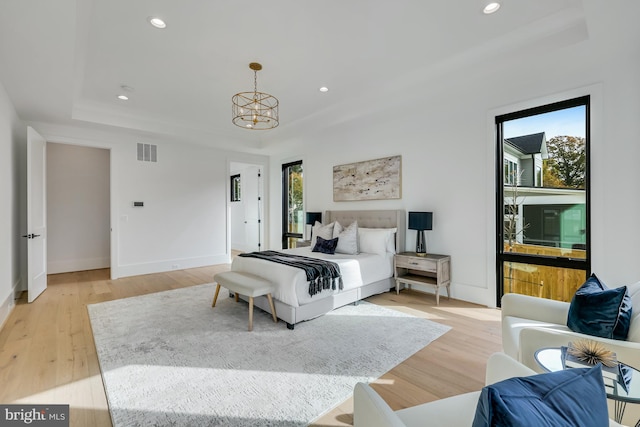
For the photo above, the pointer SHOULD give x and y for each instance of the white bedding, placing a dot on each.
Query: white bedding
(292, 285)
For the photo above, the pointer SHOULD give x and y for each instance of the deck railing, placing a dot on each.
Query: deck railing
(543, 281)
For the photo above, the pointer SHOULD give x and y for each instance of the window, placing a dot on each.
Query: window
(510, 172)
(542, 211)
(292, 204)
(235, 188)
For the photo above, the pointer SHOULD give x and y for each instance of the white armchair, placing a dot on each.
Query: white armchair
(369, 410)
(530, 323)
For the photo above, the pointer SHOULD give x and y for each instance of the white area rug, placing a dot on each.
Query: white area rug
(169, 359)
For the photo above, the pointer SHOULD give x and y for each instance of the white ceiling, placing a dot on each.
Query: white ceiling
(64, 61)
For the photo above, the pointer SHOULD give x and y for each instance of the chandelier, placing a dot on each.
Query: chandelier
(255, 110)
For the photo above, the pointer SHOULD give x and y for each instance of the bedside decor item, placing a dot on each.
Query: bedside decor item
(255, 110)
(420, 221)
(378, 179)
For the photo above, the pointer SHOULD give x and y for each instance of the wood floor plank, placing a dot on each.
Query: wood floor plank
(47, 352)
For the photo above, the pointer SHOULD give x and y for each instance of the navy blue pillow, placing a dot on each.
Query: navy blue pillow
(600, 312)
(573, 397)
(325, 246)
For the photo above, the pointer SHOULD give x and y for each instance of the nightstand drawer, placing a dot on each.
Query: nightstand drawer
(416, 263)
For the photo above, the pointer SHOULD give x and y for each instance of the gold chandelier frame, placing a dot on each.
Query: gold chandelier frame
(255, 110)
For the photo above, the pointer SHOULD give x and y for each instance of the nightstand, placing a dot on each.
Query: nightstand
(431, 270)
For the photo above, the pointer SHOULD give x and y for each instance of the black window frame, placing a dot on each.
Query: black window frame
(286, 235)
(561, 262)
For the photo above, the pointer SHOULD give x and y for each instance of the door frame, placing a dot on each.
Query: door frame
(264, 181)
(113, 193)
(262, 194)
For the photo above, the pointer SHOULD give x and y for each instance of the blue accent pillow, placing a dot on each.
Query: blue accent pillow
(325, 246)
(600, 312)
(573, 397)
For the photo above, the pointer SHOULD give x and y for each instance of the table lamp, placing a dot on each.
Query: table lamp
(420, 221)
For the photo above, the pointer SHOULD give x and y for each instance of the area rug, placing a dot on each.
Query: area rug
(170, 359)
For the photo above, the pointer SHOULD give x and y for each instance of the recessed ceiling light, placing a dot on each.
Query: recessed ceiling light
(491, 7)
(123, 97)
(324, 89)
(157, 22)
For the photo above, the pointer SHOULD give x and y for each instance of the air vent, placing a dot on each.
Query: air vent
(147, 153)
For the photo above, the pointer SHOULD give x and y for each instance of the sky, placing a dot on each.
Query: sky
(570, 121)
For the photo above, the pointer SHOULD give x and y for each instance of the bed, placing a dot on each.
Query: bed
(364, 274)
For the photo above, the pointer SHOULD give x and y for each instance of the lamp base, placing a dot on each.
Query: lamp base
(421, 244)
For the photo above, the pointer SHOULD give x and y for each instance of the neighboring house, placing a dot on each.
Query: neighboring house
(524, 154)
(552, 216)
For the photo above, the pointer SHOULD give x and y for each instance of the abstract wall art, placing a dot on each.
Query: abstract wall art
(379, 179)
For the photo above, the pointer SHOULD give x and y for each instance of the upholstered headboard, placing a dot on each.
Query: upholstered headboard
(373, 219)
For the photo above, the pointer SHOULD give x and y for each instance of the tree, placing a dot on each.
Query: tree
(295, 197)
(567, 161)
(513, 230)
(549, 177)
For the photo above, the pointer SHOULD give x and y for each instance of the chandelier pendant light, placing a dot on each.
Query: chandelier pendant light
(255, 110)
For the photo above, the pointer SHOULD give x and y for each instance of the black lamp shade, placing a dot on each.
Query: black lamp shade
(312, 217)
(420, 220)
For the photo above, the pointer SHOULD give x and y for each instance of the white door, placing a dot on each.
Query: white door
(36, 214)
(252, 197)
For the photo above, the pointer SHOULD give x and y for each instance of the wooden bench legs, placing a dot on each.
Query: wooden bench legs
(273, 308)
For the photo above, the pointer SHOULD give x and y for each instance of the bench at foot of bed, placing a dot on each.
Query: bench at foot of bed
(248, 285)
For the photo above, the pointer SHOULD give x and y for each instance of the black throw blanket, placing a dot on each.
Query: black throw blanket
(321, 274)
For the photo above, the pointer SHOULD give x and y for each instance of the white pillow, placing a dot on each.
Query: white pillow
(347, 239)
(324, 231)
(337, 229)
(377, 240)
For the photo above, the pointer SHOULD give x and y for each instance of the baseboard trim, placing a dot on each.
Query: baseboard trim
(9, 303)
(65, 266)
(461, 292)
(177, 264)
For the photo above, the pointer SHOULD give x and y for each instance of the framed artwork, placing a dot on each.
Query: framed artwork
(379, 179)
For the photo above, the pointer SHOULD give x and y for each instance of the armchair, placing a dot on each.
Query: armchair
(370, 410)
(530, 323)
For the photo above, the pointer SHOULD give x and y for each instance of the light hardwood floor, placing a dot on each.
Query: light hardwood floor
(47, 354)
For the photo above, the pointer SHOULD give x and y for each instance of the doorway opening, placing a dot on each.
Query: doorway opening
(78, 208)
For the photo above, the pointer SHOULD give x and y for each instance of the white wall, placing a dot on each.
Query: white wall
(443, 128)
(78, 211)
(183, 223)
(13, 134)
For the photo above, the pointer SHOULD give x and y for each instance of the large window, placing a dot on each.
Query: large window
(292, 206)
(542, 212)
